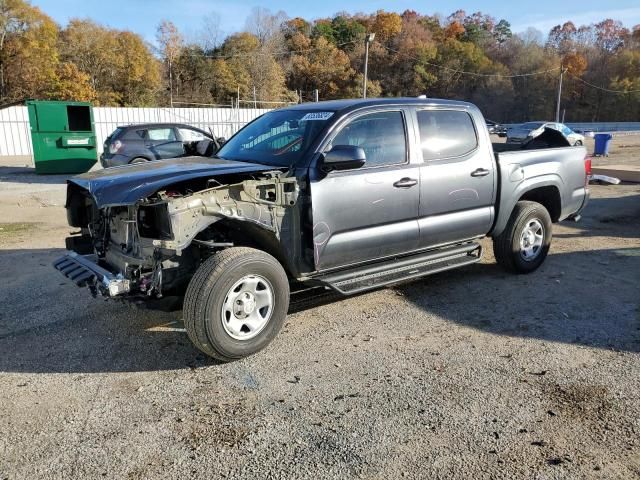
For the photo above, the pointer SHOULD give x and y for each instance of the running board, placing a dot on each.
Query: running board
(402, 269)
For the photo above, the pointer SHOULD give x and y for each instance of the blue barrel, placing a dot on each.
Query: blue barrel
(603, 141)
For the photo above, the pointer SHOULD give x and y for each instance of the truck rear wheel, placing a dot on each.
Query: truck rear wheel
(236, 303)
(525, 241)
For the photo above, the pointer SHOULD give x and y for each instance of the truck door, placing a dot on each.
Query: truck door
(456, 178)
(369, 212)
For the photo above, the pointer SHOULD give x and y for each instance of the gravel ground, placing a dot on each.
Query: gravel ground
(469, 374)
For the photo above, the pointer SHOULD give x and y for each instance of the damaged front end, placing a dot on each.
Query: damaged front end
(155, 244)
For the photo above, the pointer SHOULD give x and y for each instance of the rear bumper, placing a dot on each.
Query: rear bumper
(578, 214)
(115, 160)
(83, 270)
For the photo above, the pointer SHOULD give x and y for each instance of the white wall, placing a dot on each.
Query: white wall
(15, 136)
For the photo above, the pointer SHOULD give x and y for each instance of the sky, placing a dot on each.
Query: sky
(143, 16)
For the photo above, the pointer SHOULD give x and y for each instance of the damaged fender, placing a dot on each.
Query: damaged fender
(262, 202)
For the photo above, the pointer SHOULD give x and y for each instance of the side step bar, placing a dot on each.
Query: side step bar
(399, 270)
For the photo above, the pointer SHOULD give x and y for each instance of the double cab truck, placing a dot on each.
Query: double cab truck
(348, 195)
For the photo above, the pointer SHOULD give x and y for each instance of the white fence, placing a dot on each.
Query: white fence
(15, 132)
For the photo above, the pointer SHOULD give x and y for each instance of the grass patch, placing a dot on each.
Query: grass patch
(10, 230)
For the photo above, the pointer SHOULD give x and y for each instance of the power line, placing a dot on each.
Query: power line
(476, 74)
(281, 53)
(602, 88)
(454, 70)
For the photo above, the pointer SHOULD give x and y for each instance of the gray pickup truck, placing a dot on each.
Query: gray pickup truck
(347, 195)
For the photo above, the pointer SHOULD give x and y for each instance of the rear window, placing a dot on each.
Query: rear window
(116, 133)
(445, 134)
(532, 125)
(133, 134)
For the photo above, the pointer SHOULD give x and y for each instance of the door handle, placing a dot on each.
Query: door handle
(480, 172)
(405, 182)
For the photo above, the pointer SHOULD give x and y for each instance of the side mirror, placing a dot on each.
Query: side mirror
(343, 157)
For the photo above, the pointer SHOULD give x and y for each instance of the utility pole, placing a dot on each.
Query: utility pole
(367, 40)
(315, 95)
(170, 84)
(559, 94)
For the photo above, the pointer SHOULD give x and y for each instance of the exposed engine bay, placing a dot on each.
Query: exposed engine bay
(156, 243)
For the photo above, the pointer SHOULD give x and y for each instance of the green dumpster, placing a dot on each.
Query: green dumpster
(62, 135)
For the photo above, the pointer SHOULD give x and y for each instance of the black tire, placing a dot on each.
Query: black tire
(506, 246)
(578, 143)
(138, 160)
(207, 292)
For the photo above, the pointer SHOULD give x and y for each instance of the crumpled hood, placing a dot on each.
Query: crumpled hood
(127, 184)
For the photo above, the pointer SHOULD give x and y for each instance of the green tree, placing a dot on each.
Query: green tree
(346, 30)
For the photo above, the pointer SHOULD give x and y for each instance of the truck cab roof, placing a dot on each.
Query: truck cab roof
(354, 104)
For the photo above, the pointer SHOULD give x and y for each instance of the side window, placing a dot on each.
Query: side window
(381, 135)
(446, 133)
(189, 135)
(162, 134)
(131, 134)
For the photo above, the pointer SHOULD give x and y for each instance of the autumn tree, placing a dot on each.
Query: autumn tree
(470, 56)
(138, 81)
(90, 46)
(210, 35)
(28, 51)
(70, 83)
(386, 25)
(323, 67)
(117, 79)
(264, 24)
(170, 44)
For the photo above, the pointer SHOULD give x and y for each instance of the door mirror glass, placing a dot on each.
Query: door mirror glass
(344, 157)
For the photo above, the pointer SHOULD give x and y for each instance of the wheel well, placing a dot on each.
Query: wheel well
(245, 234)
(549, 197)
(135, 157)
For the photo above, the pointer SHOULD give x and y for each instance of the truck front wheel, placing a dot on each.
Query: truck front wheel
(236, 303)
(525, 241)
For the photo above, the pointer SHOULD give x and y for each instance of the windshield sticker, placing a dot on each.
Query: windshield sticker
(317, 116)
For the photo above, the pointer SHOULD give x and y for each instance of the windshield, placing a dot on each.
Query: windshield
(279, 138)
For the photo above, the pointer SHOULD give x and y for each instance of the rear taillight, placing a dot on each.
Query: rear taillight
(587, 168)
(115, 147)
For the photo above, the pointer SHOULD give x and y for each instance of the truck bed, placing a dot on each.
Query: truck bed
(560, 171)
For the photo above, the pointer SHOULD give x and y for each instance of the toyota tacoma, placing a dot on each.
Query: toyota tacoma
(346, 195)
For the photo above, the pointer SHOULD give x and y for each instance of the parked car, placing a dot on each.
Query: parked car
(349, 195)
(530, 130)
(496, 129)
(155, 141)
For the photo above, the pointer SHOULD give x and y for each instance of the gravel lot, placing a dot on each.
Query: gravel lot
(469, 374)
